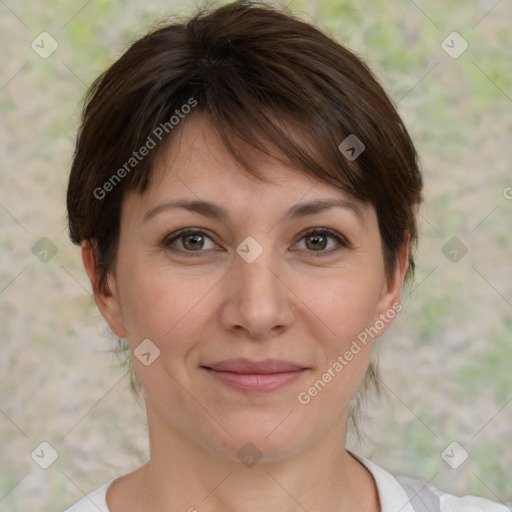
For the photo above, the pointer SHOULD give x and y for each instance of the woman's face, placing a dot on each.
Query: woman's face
(247, 282)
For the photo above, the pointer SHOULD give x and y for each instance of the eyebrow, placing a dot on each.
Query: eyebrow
(216, 211)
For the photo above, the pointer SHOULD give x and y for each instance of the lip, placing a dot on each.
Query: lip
(241, 365)
(255, 376)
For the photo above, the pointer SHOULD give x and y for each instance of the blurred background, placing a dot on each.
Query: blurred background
(445, 363)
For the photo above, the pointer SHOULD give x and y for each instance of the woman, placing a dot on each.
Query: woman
(245, 196)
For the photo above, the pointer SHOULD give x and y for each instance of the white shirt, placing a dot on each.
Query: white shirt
(397, 494)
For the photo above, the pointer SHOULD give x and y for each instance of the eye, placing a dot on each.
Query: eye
(317, 240)
(189, 240)
(195, 240)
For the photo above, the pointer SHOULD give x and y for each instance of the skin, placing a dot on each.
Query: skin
(286, 304)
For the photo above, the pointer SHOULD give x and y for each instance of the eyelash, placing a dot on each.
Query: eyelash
(342, 241)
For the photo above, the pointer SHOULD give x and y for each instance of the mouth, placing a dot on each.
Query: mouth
(255, 376)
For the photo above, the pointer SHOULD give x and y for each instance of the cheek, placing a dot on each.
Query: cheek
(158, 304)
(345, 305)
(168, 311)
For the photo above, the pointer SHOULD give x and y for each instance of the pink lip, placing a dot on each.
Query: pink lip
(255, 376)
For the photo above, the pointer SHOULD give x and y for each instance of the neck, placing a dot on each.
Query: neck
(184, 475)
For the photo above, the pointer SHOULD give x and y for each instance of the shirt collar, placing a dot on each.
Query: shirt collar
(392, 496)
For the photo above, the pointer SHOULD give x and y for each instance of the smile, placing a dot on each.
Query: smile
(255, 377)
(256, 382)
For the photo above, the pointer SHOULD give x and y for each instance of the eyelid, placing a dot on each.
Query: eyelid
(343, 242)
(170, 239)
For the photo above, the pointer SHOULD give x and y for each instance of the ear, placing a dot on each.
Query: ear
(389, 301)
(106, 294)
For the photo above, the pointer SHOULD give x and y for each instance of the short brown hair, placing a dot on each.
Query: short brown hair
(261, 76)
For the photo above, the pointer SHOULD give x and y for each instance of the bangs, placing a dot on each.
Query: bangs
(265, 81)
(252, 132)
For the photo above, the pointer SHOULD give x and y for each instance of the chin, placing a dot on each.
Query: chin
(261, 438)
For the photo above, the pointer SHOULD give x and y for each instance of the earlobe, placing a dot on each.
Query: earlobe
(105, 294)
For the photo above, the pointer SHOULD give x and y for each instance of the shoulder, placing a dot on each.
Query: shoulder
(426, 497)
(95, 501)
(408, 494)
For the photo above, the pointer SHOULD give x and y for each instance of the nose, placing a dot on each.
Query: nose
(256, 299)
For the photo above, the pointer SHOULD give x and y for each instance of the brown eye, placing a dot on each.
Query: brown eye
(317, 240)
(189, 241)
(194, 241)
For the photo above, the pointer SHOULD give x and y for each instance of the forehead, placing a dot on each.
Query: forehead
(197, 173)
(197, 159)
(197, 167)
